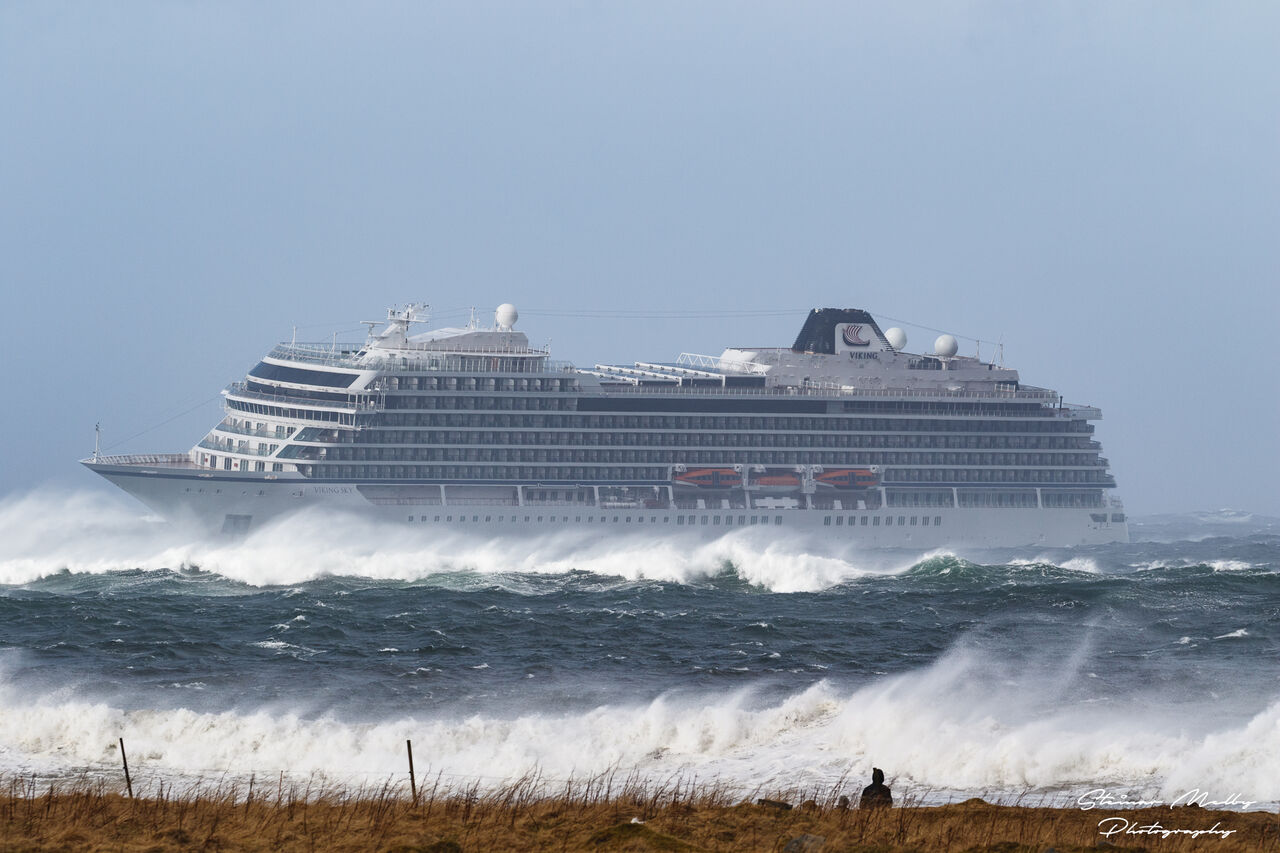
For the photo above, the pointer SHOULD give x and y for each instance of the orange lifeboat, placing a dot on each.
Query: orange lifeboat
(848, 478)
(708, 478)
(775, 480)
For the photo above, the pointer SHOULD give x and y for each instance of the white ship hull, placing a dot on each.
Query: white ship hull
(241, 503)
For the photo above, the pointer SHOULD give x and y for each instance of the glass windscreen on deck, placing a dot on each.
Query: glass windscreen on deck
(300, 376)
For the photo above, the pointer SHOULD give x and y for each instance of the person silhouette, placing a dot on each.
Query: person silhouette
(876, 795)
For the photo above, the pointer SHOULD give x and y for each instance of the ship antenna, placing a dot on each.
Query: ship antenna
(97, 440)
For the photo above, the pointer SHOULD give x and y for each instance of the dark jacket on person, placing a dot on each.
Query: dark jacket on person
(876, 795)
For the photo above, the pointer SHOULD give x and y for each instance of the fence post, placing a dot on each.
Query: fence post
(127, 781)
(413, 785)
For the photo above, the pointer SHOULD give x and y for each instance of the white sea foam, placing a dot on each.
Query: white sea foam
(956, 725)
(1073, 564)
(47, 532)
(1082, 564)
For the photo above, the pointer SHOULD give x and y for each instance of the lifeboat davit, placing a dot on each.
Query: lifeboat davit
(847, 478)
(708, 478)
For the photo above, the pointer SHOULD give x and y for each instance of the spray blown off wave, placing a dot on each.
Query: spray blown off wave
(48, 532)
(940, 730)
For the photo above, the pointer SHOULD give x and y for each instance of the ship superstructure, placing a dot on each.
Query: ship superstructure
(844, 433)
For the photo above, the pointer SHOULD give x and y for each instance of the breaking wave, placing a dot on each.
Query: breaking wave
(946, 728)
(82, 532)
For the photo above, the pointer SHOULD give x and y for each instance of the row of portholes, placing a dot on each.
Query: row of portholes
(875, 520)
(727, 520)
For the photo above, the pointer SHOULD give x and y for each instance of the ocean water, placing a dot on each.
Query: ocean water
(317, 647)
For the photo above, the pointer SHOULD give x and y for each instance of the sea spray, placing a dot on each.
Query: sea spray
(320, 646)
(86, 532)
(920, 725)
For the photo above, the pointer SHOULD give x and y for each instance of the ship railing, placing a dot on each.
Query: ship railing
(721, 365)
(168, 459)
(1072, 410)
(226, 447)
(358, 357)
(824, 390)
(240, 389)
(256, 433)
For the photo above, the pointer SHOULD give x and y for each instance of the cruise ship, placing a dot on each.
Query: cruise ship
(844, 434)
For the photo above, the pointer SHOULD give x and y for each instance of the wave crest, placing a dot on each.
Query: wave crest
(948, 727)
(46, 533)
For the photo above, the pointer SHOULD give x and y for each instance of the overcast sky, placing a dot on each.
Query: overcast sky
(1095, 184)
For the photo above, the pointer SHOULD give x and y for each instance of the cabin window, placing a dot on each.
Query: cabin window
(827, 521)
(777, 519)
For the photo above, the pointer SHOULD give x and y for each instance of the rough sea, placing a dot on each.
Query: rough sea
(317, 647)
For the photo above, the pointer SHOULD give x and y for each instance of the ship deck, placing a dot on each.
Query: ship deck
(146, 460)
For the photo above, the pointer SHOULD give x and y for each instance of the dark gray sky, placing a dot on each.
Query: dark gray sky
(1095, 183)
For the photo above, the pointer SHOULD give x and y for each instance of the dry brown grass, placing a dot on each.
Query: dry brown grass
(593, 815)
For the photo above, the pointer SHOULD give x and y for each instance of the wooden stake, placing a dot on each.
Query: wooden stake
(127, 781)
(413, 785)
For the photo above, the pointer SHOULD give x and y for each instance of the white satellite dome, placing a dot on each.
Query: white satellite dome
(945, 346)
(506, 316)
(896, 338)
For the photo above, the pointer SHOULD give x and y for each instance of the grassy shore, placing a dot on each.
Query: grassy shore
(594, 816)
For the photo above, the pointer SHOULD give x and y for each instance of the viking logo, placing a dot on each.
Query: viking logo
(853, 336)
